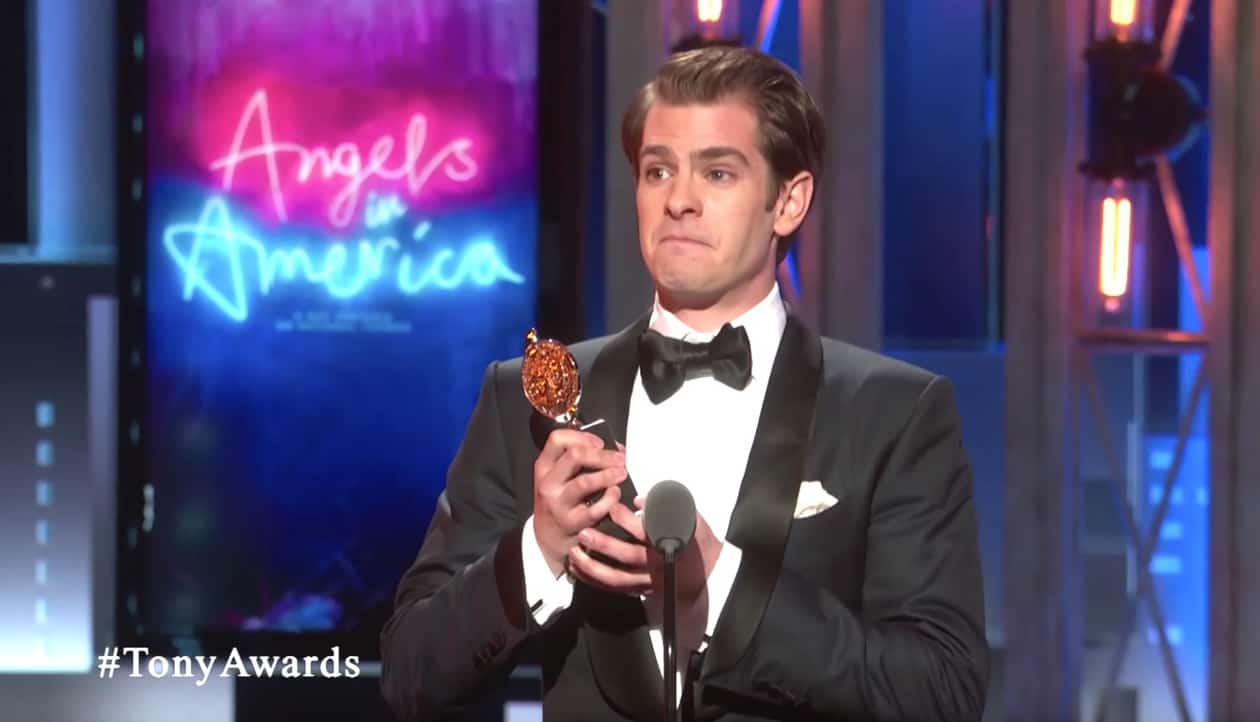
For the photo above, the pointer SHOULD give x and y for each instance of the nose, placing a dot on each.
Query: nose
(681, 199)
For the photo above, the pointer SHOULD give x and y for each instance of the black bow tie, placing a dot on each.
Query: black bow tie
(665, 363)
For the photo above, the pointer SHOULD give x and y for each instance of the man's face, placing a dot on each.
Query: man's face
(706, 234)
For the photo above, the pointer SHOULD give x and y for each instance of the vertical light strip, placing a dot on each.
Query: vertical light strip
(1114, 247)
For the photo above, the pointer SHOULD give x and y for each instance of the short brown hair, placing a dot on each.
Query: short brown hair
(789, 125)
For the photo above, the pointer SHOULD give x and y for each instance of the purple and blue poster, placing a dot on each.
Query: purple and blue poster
(342, 221)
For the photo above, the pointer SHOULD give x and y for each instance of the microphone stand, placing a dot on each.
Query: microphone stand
(669, 518)
(669, 628)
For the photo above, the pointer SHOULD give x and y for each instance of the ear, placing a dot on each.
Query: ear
(794, 200)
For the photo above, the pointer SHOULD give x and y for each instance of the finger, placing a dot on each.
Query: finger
(592, 482)
(601, 575)
(590, 515)
(702, 527)
(627, 520)
(579, 459)
(560, 441)
(639, 501)
(631, 555)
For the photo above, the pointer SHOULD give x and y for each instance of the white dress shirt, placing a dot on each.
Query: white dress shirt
(700, 436)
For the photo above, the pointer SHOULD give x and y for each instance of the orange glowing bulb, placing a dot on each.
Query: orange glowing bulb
(1123, 12)
(1113, 277)
(709, 11)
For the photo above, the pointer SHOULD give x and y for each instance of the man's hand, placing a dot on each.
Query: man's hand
(636, 578)
(645, 566)
(572, 466)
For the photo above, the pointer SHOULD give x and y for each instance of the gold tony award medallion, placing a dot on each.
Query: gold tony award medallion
(549, 376)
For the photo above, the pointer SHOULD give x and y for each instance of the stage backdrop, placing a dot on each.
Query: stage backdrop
(341, 235)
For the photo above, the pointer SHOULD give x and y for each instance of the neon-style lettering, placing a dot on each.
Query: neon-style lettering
(227, 266)
(345, 161)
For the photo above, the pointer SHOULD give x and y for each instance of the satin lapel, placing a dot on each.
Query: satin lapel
(606, 389)
(615, 626)
(767, 496)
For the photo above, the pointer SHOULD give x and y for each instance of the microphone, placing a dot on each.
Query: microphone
(669, 520)
(669, 517)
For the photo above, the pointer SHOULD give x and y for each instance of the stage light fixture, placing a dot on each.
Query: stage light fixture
(1137, 111)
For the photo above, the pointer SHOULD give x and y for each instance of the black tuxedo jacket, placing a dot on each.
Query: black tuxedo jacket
(869, 610)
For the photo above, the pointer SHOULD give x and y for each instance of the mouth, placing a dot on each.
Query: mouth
(681, 240)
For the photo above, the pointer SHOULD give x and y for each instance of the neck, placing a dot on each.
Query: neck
(708, 316)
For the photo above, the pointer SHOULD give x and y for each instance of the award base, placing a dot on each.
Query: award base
(628, 492)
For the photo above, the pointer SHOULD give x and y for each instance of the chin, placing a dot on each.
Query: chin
(689, 292)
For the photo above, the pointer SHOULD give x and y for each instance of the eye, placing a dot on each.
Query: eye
(655, 173)
(720, 175)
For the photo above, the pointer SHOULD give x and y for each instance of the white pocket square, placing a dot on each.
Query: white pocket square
(812, 499)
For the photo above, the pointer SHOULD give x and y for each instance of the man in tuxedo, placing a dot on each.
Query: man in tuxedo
(834, 573)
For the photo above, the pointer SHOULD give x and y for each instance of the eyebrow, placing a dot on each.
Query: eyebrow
(711, 153)
(721, 151)
(660, 151)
